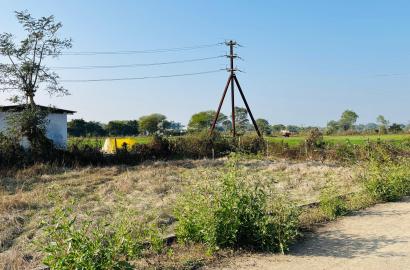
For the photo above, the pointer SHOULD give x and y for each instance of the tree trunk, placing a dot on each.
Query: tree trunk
(31, 99)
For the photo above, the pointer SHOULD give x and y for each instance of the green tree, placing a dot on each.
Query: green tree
(149, 123)
(278, 128)
(226, 124)
(371, 127)
(348, 119)
(81, 128)
(170, 127)
(175, 128)
(122, 128)
(383, 124)
(203, 120)
(293, 128)
(264, 126)
(27, 70)
(241, 119)
(396, 128)
(332, 127)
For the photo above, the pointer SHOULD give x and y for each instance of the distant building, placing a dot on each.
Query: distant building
(56, 129)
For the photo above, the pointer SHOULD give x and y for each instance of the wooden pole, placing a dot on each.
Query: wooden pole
(220, 104)
(247, 106)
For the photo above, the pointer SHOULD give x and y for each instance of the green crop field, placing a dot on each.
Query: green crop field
(98, 142)
(354, 139)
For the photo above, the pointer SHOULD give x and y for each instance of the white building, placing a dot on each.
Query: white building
(56, 129)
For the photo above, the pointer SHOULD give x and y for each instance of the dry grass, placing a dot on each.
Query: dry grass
(29, 195)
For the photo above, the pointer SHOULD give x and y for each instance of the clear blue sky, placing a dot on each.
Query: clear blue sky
(305, 61)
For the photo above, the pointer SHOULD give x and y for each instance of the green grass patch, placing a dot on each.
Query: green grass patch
(353, 139)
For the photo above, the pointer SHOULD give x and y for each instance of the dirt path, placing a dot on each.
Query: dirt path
(377, 238)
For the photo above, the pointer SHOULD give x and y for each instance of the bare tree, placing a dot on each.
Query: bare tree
(26, 72)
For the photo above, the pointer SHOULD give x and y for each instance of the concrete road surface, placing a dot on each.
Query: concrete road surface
(376, 238)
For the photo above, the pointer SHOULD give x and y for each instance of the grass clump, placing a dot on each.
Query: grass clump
(234, 214)
(331, 204)
(388, 180)
(359, 200)
(74, 244)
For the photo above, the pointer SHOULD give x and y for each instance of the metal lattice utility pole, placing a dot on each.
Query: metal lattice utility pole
(232, 80)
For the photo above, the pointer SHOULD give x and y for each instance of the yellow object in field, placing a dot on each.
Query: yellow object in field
(112, 144)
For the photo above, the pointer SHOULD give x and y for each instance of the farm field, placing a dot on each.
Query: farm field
(30, 196)
(354, 139)
(98, 142)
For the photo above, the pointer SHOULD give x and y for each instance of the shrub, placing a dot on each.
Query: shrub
(381, 152)
(388, 180)
(285, 221)
(11, 153)
(314, 139)
(73, 244)
(231, 213)
(200, 145)
(250, 144)
(30, 123)
(346, 152)
(331, 204)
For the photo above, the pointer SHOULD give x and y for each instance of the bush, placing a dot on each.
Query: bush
(314, 139)
(285, 222)
(388, 180)
(158, 148)
(73, 244)
(346, 152)
(11, 153)
(331, 204)
(250, 144)
(232, 213)
(200, 145)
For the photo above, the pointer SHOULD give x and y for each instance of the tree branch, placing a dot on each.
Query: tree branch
(41, 59)
(34, 59)
(18, 70)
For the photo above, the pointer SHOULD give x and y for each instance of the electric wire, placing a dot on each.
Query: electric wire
(176, 49)
(137, 65)
(141, 78)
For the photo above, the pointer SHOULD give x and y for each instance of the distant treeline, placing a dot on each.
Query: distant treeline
(149, 124)
(159, 124)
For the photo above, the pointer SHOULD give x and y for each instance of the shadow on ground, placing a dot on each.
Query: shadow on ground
(338, 244)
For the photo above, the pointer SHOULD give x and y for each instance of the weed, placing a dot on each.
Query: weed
(388, 180)
(74, 244)
(331, 204)
(233, 213)
(359, 200)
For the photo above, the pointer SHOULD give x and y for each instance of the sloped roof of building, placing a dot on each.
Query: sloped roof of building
(17, 108)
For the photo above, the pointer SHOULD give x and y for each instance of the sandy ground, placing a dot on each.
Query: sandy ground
(377, 238)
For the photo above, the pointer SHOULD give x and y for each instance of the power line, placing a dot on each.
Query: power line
(142, 78)
(392, 75)
(139, 65)
(176, 49)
